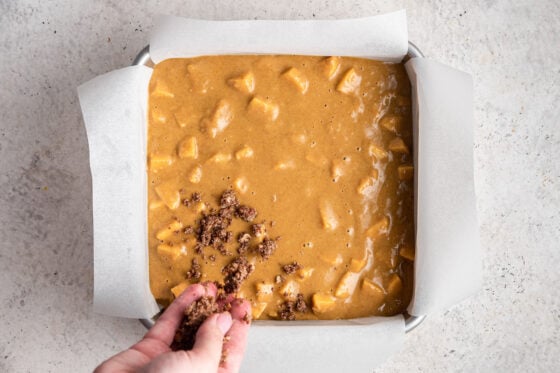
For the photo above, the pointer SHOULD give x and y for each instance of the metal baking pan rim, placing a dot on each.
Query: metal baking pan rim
(143, 58)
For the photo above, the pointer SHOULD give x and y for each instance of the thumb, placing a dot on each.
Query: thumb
(207, 351)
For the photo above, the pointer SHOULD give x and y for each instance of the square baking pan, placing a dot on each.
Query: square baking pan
(143, 58)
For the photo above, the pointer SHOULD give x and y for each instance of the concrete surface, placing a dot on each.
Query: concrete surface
(48, 48)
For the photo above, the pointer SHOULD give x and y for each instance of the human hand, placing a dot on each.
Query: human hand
(153, 354)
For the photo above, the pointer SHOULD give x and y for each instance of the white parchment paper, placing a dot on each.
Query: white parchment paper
(448, 263)
(381, 37)
(114, 107)
(114, 110)
(323, 346)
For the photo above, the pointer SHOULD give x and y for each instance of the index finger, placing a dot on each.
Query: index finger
(167, 324)
(236, 340)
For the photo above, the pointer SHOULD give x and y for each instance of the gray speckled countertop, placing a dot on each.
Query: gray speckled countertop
(48, 48)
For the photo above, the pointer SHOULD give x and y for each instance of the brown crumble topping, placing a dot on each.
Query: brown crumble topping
(301, 306)
(212, 227)
(198, 249)
(278, 279)
(291, 268)
(194, 272)
(246, 213)
(194, 316)
(221, 296)
(227, 306)
(212, 230)
(288, 309)
(266, 248)
(235, 273)
(222, 249)
(258, 230)
(243, 239)
(228, 199)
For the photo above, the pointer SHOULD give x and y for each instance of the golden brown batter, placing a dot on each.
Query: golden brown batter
(320, 147)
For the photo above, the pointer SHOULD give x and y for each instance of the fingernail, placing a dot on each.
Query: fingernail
(224, 322)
